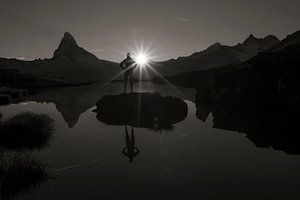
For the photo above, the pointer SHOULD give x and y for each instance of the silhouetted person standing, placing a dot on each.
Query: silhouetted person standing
(128, 65)
(130, 150)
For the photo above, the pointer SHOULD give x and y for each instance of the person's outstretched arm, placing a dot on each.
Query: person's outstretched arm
(122, 64)
(124, 151)
(137, 150)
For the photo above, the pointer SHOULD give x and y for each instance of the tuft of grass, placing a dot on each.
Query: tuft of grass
(26, 131)
(21, 173)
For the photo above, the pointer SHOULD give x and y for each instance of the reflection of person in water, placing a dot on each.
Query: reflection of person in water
(128, 65)
(130, 150)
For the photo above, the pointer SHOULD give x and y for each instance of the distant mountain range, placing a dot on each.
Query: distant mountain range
(71, 63)
(202, 76)
(217, 55)
(271, 76)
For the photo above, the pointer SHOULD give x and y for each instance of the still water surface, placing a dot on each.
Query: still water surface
(192, 161)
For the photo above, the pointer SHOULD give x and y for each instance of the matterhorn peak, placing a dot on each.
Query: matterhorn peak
(67, 44)
(68, 37)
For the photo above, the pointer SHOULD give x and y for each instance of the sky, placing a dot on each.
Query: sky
(168, 28)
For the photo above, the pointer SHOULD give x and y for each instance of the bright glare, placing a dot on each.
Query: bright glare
(141, 59)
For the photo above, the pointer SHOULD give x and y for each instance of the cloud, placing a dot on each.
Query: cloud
(19, 58)
(96, 50)
(182, 19)
(224, 28)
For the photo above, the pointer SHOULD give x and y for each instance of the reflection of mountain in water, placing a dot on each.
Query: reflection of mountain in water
(145, 110)
(267, 126)
(71, 102)
(203, 111)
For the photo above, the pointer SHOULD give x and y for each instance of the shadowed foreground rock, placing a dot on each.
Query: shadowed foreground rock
(144, 110)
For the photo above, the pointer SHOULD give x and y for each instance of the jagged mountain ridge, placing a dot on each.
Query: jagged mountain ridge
(71, 62)
(272, 76)
(217, 55)
(292, 39)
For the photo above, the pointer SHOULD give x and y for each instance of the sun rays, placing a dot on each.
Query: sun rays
(146, 53)
(141, 59)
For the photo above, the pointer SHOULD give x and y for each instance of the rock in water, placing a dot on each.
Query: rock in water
(146, 110)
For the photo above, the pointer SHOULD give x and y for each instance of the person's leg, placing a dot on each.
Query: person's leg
(128, 142)
(125, 81)
(131, 81)
(132, 137)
